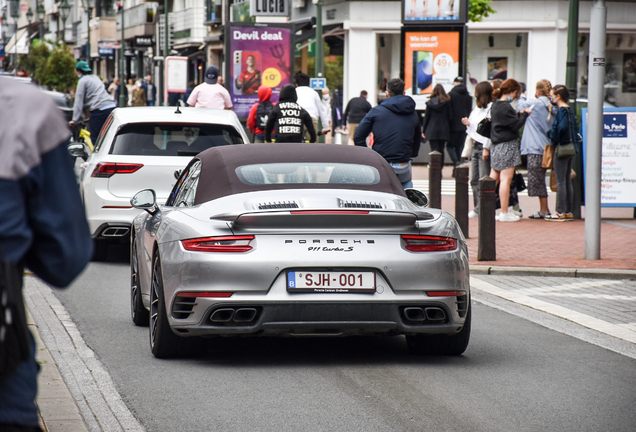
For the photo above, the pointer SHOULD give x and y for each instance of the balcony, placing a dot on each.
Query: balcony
(139, 20)
(187, 25)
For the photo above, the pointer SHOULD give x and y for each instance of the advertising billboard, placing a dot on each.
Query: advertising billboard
(618, 157)
(259, 54)
(434, 11)
(431, 57)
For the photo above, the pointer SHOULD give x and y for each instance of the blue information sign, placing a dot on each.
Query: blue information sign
(1, 50)
(318, 83)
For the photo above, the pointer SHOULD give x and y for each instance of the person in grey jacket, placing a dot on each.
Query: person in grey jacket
(534, 140)
(90, 93)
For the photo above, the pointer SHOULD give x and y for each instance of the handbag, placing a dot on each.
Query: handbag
(484, 127)
(519, 182)
(548, 154)
(468, 148)
(568, 149)
(14, 333)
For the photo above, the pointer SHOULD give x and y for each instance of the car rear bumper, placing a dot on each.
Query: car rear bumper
(325, 318)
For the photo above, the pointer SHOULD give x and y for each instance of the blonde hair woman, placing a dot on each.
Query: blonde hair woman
(534, 140)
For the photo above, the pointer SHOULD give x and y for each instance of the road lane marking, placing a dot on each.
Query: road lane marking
(614, 330)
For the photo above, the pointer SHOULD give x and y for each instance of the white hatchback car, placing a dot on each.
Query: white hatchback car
(145, 147)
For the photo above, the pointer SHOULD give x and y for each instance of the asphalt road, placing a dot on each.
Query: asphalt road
(515, 376)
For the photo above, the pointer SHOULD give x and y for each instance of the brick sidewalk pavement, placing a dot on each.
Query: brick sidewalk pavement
(538, 243)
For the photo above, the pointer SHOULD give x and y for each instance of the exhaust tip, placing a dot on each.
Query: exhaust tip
(222, 315)
(115, 232)
(435, 314)
(245, 315)
(414, 314)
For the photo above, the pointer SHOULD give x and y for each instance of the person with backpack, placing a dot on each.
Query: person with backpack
(259, 113)
(288, 118)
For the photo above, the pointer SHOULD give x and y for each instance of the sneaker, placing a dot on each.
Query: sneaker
(472, 214)
(569, 216)
(515, 211)
(508, 217)
(539, 215)
(559, 217)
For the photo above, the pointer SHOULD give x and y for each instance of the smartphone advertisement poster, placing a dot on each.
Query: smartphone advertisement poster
(618, 157)
(257, 56)
(434, 11)
(430, 58)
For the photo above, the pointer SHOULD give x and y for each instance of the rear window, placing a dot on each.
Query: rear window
(291, 173)
(152, 139)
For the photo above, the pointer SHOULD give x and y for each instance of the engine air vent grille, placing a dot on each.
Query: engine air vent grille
(360, 204)
(278, 205)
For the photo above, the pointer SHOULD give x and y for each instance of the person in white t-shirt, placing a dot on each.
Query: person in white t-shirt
(210, 94)
(309, 100)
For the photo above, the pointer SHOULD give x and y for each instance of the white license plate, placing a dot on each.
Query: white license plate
(330, 282)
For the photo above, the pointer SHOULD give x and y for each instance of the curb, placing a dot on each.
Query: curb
(613, 274)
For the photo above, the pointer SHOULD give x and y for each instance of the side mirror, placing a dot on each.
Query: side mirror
(78, 150)
(145, 200)
(417, 197)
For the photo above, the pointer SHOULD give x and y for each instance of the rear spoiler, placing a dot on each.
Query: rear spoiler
(324, 220)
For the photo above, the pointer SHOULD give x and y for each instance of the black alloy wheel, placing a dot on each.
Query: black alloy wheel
(164, 343)
(139, 314)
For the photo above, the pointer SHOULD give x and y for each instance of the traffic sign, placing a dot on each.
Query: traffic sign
(318, 83)
(2, 50)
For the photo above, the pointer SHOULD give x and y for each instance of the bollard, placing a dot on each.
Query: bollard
(486, 249)
(461, 197)
(435, 180)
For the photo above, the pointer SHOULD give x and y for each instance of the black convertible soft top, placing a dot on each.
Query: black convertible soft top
(218, 176)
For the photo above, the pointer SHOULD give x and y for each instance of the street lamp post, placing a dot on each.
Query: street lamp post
(122, 73)
(41, 13)
(29, 16)
(65, 10)
(88, 7)
(15, 14)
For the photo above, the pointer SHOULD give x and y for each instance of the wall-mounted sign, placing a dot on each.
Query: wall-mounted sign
(434, 11)
(144, 41)
(106, 52)
(269, 7)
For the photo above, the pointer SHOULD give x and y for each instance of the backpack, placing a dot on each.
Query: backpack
(262, 113)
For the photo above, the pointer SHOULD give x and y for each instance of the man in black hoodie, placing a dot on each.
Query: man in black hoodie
(288, 118)
(357, 108)
(461, 105)
(396, 130)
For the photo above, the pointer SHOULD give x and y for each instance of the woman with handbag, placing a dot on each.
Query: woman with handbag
(504, 151)
(564, 138)
(479, 164)
(533, 142)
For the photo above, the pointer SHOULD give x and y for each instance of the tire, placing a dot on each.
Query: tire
(139, 314)
(440, 344)
(164, 343)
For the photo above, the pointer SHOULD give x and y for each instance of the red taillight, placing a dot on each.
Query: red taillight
(417, 243)
(205, 294)
(445, 293)
(323, 212)
(219, 244)
(108, 169)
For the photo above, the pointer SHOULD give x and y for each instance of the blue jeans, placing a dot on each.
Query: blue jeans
(403, 171)
(97, 120)
(150, 103)
(17, 394)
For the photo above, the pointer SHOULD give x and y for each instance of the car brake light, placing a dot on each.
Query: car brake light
(418, 243)
(323, 212)
(219, 244)
(445, 293)
(205, 294)
(108, 169)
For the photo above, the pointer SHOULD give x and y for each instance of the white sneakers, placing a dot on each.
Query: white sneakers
(472, 214)
(507, 217)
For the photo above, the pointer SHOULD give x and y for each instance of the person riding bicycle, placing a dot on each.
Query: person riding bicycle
(92, 94)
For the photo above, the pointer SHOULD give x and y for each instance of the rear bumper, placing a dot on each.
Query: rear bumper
(324, 318)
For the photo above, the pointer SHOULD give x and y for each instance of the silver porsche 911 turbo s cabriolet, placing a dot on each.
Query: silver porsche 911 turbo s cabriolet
(297, 239)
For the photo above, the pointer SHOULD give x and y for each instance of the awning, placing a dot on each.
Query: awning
(23, 43)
